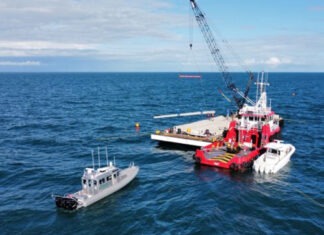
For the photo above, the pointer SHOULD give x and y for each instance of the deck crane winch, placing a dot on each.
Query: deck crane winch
(239, 97)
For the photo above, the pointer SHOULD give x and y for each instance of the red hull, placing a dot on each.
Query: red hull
(223, 159)
(247, 134)
(232, 153)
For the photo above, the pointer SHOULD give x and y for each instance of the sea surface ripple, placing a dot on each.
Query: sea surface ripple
(50, 122)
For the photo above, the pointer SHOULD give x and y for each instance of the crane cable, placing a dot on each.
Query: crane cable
(192, 53)
(218, 58)
(236, 57)
(191, 20)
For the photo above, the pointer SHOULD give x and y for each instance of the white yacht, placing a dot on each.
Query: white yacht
(277, 155)
(97, 184)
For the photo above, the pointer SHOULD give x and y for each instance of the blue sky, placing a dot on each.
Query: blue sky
(153, 35)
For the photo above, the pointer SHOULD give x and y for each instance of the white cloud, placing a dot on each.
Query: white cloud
(20, 63)
(85, 28)
(136, 32)
(297, 52)
(44, 48)
(44, 45)
(276, 61)
(272, 61)
(100, 21)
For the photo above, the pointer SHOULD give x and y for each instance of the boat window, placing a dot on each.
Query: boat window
(274, 151)
(89, 183)
(84, 181)
(108, 178)
(95, 182)
(102, 181)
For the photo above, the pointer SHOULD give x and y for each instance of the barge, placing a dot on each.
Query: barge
(195, 134)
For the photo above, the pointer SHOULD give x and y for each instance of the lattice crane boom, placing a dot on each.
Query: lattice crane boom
(239, 97)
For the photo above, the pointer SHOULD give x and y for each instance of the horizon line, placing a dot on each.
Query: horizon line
(150, 72)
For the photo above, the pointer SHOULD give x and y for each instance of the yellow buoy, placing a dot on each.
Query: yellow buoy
(137, 124)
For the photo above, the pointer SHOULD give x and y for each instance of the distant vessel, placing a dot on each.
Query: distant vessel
(277, 156)
(247, 134)
(189, 76)
(97, 184)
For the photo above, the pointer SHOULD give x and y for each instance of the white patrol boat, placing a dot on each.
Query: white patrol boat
(276, 156)
(97, 184)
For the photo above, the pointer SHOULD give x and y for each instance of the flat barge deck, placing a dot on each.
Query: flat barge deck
(195, 134)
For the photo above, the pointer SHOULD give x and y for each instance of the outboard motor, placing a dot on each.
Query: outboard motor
(67, 203)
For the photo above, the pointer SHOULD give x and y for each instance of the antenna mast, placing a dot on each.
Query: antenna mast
(92, 159)
(107, 155)
(99, 157)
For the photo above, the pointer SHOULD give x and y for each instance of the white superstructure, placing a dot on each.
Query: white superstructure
(260, 113)
(97, 184)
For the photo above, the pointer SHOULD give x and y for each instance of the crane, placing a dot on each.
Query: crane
(239, 97)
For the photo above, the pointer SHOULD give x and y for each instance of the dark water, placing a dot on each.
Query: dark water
(50, 123)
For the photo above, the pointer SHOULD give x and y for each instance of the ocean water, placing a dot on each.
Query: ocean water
(50, 122)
